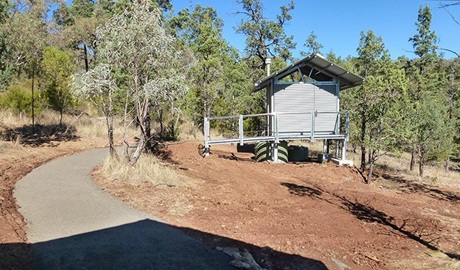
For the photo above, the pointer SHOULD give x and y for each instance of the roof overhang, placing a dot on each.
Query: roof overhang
(319, 69)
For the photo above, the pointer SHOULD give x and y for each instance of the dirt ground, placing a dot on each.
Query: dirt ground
(295, 216)
(289, 216)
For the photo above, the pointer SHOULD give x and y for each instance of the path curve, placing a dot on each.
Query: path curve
(73, 224)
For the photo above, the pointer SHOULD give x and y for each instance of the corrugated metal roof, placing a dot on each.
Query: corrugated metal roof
(321, 70)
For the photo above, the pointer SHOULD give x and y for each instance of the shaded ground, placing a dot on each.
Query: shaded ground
(39, 135)
(317, 211)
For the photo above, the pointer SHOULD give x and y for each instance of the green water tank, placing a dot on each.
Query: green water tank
(298, 153)
(264, 151)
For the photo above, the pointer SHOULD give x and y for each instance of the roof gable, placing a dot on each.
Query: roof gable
(319, 69)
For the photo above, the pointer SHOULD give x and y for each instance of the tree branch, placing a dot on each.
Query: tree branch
(450, 14)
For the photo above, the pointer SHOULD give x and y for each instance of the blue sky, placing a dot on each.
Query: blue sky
(338, 23)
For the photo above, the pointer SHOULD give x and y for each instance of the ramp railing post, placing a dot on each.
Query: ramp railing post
(347, 126)
(344, 144)
(337, 124)
(240, 129)
(312, 133)
(207, 136)
(277, 139)
(275, 144)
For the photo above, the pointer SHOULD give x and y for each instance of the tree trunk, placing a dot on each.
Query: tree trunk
(363, 158)
(412, 159)
(109, 122)
(372, 159)
(141, 145)
(363, 146)
(371, 170)
(421, 163)
(173, 123)
(126, 124)
(85, 51)
(162, 132)
(137, 153)
(61, 112)
(446, 165)
(148, 133)
(33, 100)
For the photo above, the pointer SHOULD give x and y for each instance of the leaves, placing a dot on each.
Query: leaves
(138, 55)
(312, 45)
(265, 38)
(378, 105)
(58, 67)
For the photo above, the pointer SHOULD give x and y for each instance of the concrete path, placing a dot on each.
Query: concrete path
(73, 224)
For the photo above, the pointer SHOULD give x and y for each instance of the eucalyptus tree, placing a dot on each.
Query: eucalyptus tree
(4, 6)
(118, 6)
(135, 44)
(76, 27)
(6, 66)
(25, 35)
(98, 85)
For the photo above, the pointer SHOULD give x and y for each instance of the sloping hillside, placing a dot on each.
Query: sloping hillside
(290, 216)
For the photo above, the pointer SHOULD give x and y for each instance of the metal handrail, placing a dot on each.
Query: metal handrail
(238, 116)
(275, 135)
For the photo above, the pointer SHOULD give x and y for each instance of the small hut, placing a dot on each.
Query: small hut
(302, 102)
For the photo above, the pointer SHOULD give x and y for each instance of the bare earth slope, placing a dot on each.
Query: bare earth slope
(290, 216)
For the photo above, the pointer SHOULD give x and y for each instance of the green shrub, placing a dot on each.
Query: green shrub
(18, 98)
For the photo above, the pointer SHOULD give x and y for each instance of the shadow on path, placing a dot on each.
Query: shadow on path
(145, 244)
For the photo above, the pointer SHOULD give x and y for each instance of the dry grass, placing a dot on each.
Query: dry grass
(147, 170)
(87, 127)
(9, 149)
(188, 131)
(94, 130)
(398, 165)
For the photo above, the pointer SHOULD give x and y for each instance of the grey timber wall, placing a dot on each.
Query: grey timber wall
(295, 104)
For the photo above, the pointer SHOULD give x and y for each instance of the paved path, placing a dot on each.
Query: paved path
(73, 224)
